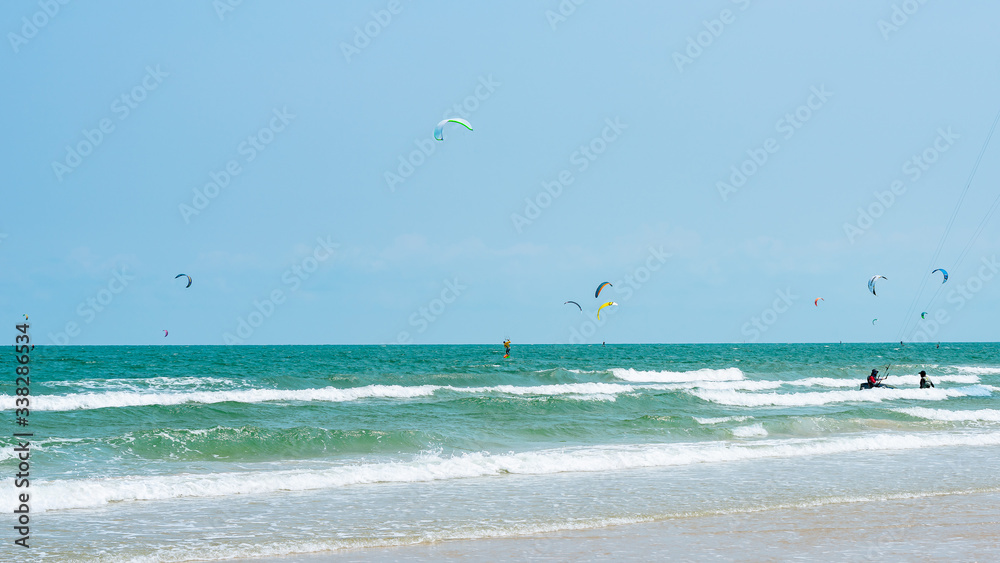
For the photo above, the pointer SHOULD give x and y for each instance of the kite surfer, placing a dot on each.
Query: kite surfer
(925, 382)
(506, 348)
(875, 381)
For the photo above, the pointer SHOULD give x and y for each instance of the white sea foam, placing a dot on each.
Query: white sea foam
(117, 399)
(144, 383)
(600, 397)
(824, 382)
(915, 379)
(555, 389)
(91, 492)
(744, 385)
(816, 398)
(986, 415)
(78, 401)
(721, 419)
(727, 374)
(977, 370)
(750, 431)
(891, 380)
(741, 385)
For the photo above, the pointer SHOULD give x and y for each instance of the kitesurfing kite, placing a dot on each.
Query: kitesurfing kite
(603, 306)
(818, 299)
(186, 276)
(575, 303)
(439, 130)
(25, 316)
(600, 287)
(871, 282)
(943, 272)
(165, 333)
(873, 321)
(923, 315)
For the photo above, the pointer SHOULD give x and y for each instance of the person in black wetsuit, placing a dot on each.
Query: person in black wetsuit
(872, 381)
(925, 383)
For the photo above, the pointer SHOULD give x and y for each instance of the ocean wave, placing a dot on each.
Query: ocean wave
(87, 493)
(915, 379)
(833, 382)
(706, 374)
(554, 389)
(985, 415)
(145, 383)
(729, 392)
(81, 401)
(977, 370)
(742, 385)
(721, 419)
(817, 398)
(119, 399)
(749, 431)
(824, 382)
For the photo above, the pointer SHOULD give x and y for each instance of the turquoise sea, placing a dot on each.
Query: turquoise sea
(173, 453)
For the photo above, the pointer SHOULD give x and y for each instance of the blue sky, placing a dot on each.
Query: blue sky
(282, 155)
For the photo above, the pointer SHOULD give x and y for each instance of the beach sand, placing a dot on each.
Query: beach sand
(963, 527)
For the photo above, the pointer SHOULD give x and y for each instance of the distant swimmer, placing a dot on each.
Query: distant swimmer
(925, 382)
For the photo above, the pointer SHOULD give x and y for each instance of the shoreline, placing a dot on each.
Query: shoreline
(958, 527)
